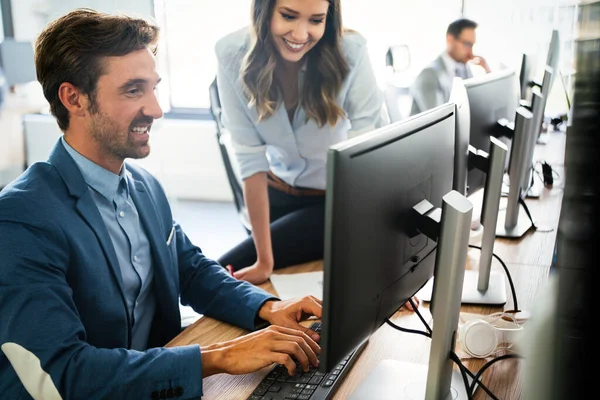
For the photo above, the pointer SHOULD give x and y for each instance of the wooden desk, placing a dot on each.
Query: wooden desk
(528, 260)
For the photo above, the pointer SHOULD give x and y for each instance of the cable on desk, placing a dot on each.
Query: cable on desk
(420, 316)
(513, 292)
(479, 373)
(455, 358)
(463, 372)
(407, 330)
(537, 229)
(531, 182)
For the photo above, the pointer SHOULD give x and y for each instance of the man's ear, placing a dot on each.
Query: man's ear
(74, 100)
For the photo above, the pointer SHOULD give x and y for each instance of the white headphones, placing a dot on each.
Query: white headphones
(479, 338)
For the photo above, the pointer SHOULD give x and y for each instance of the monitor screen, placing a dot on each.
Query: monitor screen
(553, 57)
(458, 96)
(527, 72)
(492, 97)
(372, 264)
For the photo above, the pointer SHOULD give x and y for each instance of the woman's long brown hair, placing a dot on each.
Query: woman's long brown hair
(326, 67)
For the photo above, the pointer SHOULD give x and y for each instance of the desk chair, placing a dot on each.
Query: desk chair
(224, 140)
(396, 93)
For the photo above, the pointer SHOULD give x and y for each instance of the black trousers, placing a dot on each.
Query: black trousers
(297, 232)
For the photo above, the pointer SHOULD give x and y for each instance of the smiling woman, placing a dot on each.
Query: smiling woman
(291, 85)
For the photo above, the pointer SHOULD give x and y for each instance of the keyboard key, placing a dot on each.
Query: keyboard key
(275, 388)
(261, 389)
(315, 380)
(273, 374)
(310, 385)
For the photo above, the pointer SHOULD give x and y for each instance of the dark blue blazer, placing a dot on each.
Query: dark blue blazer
(61, 293)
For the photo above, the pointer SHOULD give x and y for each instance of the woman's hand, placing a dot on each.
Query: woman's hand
(409, 306)
(257, 273)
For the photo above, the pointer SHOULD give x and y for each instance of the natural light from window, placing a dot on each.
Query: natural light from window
(191, 28)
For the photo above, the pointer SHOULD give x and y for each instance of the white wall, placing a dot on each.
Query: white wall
(142, 8)
(30, 16)
(185, 157)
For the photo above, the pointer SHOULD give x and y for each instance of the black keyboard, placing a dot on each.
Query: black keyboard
(311, 385)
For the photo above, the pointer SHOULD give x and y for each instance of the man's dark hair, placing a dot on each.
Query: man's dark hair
(456, 27)
(72, 49)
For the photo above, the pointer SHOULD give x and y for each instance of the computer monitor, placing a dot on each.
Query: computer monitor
(481, 285)
(539, 96)
(458, 96)
(527, 72)
(375, 259)
(492, 97)
(553, 57)
(513, 221)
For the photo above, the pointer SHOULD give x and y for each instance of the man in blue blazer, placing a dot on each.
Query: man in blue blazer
(92, 264)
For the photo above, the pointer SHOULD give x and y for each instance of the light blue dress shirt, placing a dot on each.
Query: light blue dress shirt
(111, 194)
(296, 152)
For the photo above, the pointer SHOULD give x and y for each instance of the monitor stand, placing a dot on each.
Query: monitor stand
(543, 138)
(398, 380)
(495, 295)
(522, 226)
(534, 191)
(484, 286)
(439, 379)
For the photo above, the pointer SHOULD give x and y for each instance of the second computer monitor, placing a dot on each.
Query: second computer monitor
(492, 97)
(527, 72)
(374, 260)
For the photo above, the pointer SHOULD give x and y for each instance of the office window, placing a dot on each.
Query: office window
(191, 28)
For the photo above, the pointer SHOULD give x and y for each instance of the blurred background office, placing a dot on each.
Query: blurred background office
(403, 37)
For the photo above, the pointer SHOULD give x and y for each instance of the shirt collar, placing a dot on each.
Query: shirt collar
(100, 179)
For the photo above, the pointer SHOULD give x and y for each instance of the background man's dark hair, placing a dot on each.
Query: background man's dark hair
(456, 27)
(73, 47)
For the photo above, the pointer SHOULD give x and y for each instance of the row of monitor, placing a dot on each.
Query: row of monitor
(397, 214)
(385, 188)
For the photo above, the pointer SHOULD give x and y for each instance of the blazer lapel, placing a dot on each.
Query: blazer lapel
(89, 212)
(86, 206)
(157, 236)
